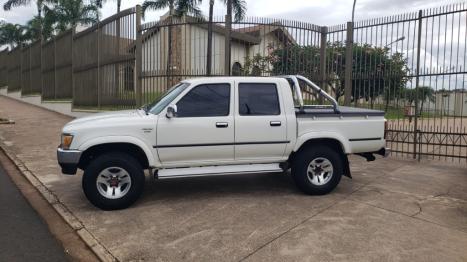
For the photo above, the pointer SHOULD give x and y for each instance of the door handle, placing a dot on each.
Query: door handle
(275, 123)
(222, 124)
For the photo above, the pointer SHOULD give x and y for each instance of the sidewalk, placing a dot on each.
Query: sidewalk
(392, 210)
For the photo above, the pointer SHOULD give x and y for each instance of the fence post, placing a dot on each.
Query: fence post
(99, 95)
(73, 91)
(209, 47)
(348, 65)
(228, 31)
(417, 82)
(322, 60)
(138, 57)
(55, 66)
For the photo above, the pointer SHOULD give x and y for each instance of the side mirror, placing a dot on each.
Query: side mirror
(171, 111)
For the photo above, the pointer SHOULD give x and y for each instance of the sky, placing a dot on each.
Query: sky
(321, 12)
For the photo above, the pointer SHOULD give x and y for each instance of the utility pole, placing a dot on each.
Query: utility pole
(353, 10)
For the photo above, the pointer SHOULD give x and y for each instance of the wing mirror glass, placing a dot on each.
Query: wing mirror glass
(171, 111)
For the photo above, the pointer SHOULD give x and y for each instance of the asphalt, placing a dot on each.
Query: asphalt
(24, 236)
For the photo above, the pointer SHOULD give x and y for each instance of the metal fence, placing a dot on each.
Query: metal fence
(174, 49)
(14, 70)
(57, 71)
(31, 69)
(3, 68)
(104, 61)
(412, 66)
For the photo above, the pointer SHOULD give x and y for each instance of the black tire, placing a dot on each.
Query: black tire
(114, 159)
(302, 161)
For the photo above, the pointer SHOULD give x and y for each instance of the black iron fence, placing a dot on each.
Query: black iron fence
(412, 66)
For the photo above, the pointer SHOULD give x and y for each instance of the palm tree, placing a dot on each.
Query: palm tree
(177, 8)
(32, 30)
(239, 8)
(99, 3)
(39, 3)
(69, 13)
(11, 34)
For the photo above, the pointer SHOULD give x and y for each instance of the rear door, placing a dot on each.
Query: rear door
(260, 122)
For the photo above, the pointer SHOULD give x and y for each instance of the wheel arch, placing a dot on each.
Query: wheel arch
(332, 142)
(90, 152)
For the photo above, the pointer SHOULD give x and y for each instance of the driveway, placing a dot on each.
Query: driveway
(391, 210)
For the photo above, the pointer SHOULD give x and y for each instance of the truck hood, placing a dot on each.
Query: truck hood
(117, 118)
(106, 115)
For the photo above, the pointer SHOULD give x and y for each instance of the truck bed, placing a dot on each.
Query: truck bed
(311, 111)
(359, 130)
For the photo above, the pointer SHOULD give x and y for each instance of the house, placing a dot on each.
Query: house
(450, 103)
(188, 38)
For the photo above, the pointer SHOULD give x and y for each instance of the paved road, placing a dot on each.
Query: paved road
(24, 236)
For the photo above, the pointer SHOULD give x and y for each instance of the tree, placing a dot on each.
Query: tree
(99, 4)
(375, 72)
(239, 7)
(40, 4)
(11, 34)
(69, 13)
(422, 94)
(177, 8)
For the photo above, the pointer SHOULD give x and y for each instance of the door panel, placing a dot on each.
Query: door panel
(203, 130)
(189, 140)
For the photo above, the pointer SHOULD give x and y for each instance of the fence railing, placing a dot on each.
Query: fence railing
(104, 62)
(412, 66)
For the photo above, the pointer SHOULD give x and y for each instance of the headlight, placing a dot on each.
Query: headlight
(66, 141)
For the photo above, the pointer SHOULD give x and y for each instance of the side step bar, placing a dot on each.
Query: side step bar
(218, 170)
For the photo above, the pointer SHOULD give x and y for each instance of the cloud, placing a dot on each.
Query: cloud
(320, 12)
(19, 15)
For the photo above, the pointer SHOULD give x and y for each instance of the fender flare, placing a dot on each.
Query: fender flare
(323, 135)
(120, 139)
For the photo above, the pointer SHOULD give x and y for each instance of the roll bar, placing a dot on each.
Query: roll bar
(316, 88)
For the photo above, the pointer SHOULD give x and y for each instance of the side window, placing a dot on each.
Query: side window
(205, 100)
(258, 99)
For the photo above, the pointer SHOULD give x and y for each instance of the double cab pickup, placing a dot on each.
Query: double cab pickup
(219, 126)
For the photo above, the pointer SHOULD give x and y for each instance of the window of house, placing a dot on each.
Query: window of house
(205, 101)
(258, 99)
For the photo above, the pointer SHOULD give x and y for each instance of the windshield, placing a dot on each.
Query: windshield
(159, 104)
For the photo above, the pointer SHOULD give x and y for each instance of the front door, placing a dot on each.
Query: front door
(202, 132)
(260, 123)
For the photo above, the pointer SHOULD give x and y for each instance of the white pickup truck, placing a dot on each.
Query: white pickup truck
(218, 126)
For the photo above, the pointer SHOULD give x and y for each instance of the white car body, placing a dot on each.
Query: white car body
(219, 126)
(194, 142)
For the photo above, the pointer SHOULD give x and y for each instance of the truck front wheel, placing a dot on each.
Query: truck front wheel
(317, 169)
(113, 181)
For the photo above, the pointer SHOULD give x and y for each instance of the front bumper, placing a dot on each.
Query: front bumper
(68, 160)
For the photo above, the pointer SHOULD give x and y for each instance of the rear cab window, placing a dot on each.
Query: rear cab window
(258, 99)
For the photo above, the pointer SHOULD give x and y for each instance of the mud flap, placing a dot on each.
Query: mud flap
(346, 167)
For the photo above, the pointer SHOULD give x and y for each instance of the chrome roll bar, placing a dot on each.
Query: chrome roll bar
(316, 88)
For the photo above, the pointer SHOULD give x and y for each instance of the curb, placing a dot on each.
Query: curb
(97, 248)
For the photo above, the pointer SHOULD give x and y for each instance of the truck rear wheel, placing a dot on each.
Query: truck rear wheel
(317, 170)
(113, 181)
